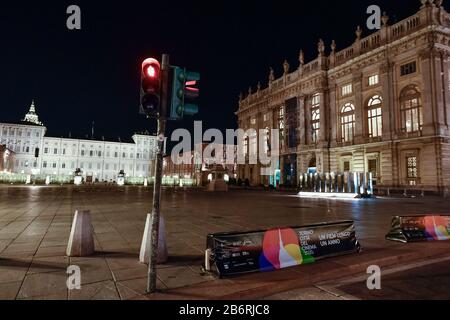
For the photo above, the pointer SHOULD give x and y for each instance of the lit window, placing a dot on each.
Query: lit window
(315, 117)
(374, 116)
(253, 143)
(245, 145)
(266, 140)
(266, 116)
(411, 110)
(348, 122)
(347, 89)
(373, 80)
(253, 121)
(281, 126)
(411, 163)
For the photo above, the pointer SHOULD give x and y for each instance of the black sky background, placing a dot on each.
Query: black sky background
(90, 75)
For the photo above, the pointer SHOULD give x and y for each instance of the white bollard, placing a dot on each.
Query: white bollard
(146, 239)
(81, 240)
(145, 182)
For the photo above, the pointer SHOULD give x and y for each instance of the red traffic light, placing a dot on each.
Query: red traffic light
(151, 68)
(150, 71)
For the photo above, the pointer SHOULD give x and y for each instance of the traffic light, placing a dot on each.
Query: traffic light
(150, 88)
(184, 90)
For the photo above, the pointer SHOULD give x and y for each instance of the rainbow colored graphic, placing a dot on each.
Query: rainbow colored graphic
(436, 228)
(281, 249)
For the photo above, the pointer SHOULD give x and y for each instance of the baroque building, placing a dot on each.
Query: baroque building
(99, 160)
(381, 105)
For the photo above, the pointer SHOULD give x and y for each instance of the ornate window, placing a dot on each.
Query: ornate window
(315, 117)
(411, 164)
(266, 139)
(348, 122)
(374, 80)
(253, 143)
(281, 125)
(374, 116)
(347, 90)
(411, 109)
(245, 145)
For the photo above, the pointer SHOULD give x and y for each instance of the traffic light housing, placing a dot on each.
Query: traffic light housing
(184, 91)
(150, 98)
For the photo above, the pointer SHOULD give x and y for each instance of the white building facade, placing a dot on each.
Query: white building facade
(101, 160)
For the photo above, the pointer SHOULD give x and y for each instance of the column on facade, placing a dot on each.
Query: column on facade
(323, 135)
(324, 131)
(388, 111)
(440, 69)
(445, 67)
(360, 119)
(334, 121)
(388, 122)
(428, 92)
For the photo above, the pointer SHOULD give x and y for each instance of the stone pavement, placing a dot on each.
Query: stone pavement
(35, 224)
(427, 279)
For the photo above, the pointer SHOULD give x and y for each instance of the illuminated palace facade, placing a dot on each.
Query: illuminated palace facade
(38, 154)
(381, 105)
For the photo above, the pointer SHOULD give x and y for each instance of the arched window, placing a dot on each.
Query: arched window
(374, 116)
(245, 145)
(315, 117)
(348, 122)
(411, 109)
(266, 140)
(281, 125)
(253, 143)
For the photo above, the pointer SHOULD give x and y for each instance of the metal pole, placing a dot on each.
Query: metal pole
(151, 284)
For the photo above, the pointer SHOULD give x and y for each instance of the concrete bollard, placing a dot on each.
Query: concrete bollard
(146, 239)
(81, 240)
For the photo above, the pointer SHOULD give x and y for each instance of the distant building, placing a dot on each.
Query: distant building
(101, 160)
(381, 105)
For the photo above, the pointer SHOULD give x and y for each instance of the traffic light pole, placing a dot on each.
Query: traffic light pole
(155, 215)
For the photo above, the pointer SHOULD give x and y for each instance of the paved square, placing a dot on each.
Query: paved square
(35, 224)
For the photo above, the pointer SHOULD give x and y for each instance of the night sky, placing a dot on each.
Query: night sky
(93, 74)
